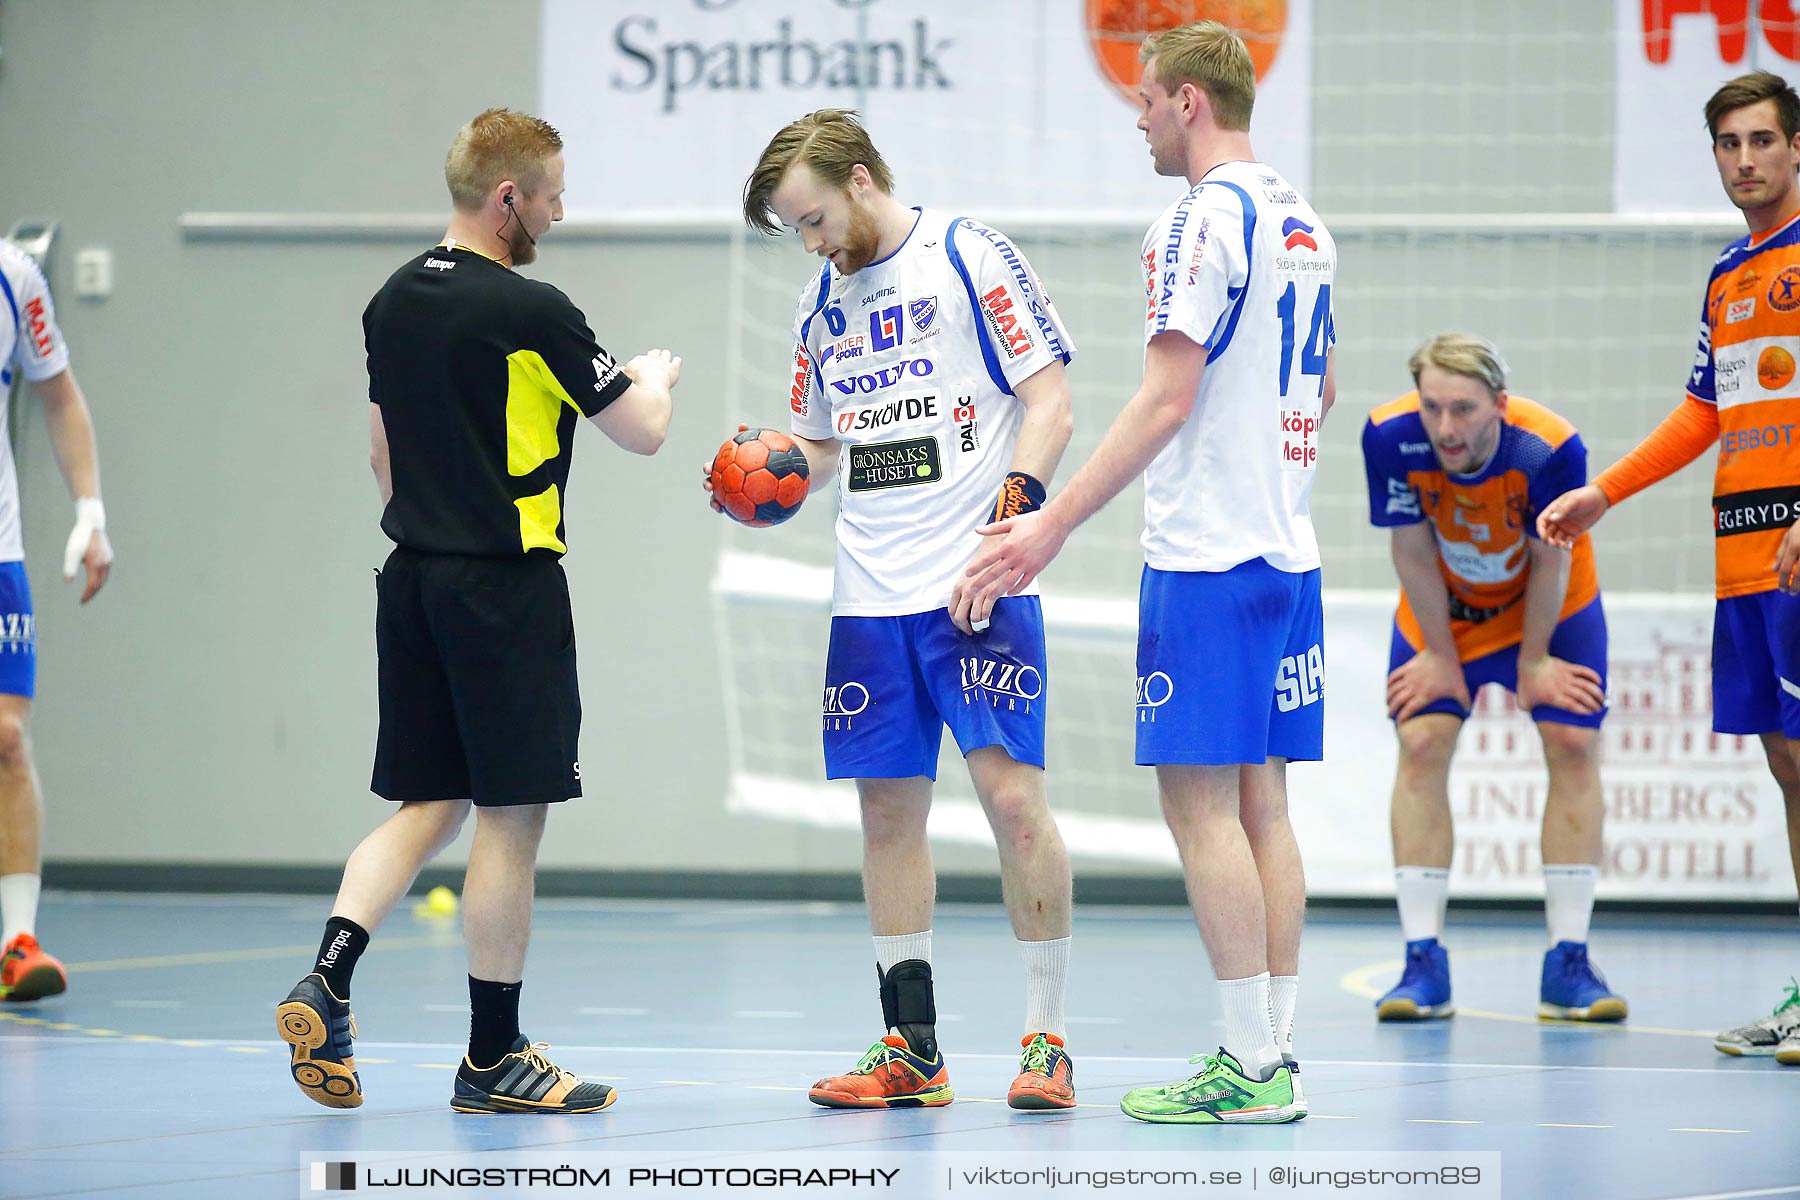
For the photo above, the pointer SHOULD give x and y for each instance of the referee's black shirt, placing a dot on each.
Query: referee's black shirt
(481, 375)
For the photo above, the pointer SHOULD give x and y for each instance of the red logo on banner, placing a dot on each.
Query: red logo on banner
(1116, 29)
(1779, 24)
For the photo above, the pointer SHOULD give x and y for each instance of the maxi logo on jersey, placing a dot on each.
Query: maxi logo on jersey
(894, 412)
(802, 381)
(39, 327)
(885, 377)
(1000, 682)
(1009, 331)
(1026, 288)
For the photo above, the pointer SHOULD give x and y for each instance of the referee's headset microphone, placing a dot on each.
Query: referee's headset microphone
(514, 213)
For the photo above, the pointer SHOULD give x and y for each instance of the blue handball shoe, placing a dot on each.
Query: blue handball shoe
(1424, 988)
(1573, 990)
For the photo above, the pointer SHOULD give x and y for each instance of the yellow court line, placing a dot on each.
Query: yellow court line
(1361, 982)
(209, 957)
(1571, 1125)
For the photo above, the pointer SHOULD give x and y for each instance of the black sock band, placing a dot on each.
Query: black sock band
(343, 944)
(493, 1020)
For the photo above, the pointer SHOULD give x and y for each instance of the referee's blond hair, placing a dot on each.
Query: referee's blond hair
(1213, 59)
(1462, 354)
(498, 144)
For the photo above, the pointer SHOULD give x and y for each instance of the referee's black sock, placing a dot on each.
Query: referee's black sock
(343, 944)
(493, 1021)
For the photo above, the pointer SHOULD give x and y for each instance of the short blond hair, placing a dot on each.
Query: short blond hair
(1213, 59)
(499, 144)
(1462, 354)
(831, 141)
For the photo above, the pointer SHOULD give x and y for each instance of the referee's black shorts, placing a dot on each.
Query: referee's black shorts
(477, 679)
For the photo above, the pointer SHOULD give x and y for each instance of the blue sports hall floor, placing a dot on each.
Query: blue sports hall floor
(158, 1072)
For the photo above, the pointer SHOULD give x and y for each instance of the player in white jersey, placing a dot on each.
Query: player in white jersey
(1237, 378)
(928, 383)
(31, 345)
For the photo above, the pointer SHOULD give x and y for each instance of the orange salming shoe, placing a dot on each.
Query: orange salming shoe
(27, 973)
(890, 1075)
(1046, 1075)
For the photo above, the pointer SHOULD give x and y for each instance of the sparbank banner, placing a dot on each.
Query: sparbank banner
(665, 105)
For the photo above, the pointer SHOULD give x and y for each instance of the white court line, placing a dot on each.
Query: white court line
(768, 1014)
(614, 1012)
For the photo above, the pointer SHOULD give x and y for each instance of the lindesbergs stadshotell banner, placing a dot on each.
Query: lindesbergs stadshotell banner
(1672, 55)
(666, 104)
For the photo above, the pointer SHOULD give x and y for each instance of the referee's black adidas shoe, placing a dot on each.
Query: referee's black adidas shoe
(524, 1081)
(320, 1029)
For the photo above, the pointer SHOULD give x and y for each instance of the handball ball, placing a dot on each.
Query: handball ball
(759, 477)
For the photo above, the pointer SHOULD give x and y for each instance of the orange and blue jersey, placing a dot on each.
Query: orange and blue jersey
(1481, 521)
(1745, 369)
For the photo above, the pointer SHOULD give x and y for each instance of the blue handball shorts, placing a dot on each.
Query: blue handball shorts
(1231, 666)
(1579, 637)
(893, 683)
(1756, 664)
(18, 633)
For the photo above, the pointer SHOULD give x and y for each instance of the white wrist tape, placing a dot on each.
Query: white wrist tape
(90, 515)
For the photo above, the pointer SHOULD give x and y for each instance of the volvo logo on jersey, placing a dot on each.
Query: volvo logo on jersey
(886, 377)
(1000, 684)
(894, 412)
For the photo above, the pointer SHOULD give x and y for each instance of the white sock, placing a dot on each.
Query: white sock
(1422, 893)
(1249, 1023)
(900, 947)
(1284, 993)
(1046, 978)
(1569, 900)
(18, 905)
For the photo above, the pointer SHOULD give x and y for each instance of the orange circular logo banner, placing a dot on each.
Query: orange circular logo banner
(1117, 28)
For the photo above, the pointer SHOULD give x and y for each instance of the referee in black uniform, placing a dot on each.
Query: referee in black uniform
(477, 377)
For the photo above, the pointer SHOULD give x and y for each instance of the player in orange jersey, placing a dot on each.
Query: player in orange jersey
(1742, 392)
(1457, 469)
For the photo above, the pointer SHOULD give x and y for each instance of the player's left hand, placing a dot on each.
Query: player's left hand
(1560, 684)
(97, 561)
(1018, 550)
(1787, 562)
(87, 546)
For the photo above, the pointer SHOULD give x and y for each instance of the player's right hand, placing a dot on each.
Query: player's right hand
(1572, 514)
(1425, 677)
(706, 478)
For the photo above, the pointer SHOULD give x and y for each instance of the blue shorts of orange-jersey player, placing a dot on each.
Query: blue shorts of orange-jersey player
(1579, 638)
(1756, 664)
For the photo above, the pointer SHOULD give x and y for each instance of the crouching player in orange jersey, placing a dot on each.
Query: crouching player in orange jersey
(1743, 393)
(1457, 469)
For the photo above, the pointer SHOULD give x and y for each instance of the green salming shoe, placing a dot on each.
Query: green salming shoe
(1220, 1094)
